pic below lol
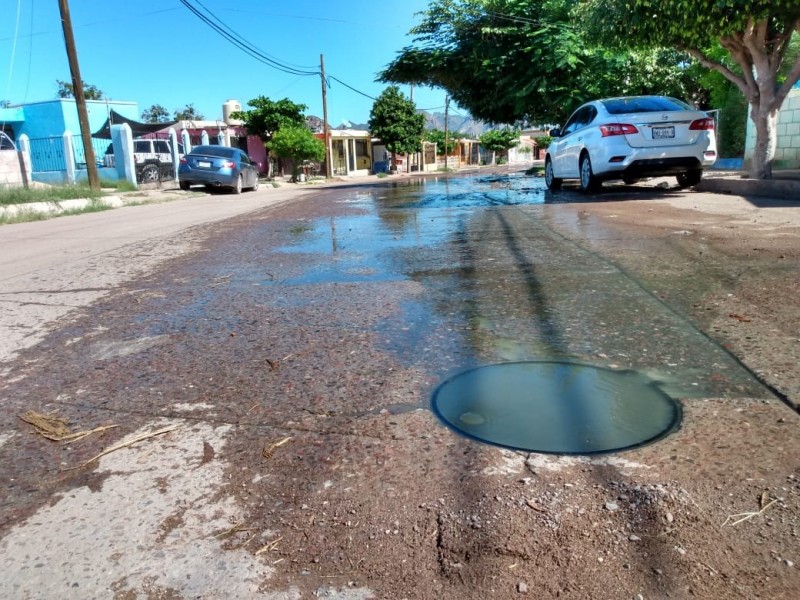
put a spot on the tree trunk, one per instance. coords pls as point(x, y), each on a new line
point(766, 125)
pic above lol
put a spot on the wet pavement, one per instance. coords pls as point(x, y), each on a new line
point(330, 321)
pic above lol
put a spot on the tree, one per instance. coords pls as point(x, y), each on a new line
point(268, 116)
point(297, 143)
point(755, 35)
point(437, 137)
point(511, 61)
point(499, 140)
point(188, 113)
point(90, 92)
point(395, 120)
point(155, 114)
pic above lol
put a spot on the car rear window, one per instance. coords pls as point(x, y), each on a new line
point(642, 104)
point(221, 151)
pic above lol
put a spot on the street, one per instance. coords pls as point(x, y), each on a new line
point(287, 343)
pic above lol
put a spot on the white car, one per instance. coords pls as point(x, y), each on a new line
point(631, 138)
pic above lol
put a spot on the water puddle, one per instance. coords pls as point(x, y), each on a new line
point(557, 407)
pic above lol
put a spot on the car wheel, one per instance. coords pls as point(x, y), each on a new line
point(552, 182)
point(689, 178)
point(237, 189)
point(589, 183)
point(185, 185)
point(255, 185)
point(150, 174)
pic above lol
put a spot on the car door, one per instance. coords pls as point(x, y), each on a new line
point(574, 142)
point(247, 170)
point(562, 144)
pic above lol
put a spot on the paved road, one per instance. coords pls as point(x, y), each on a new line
point(48, 268)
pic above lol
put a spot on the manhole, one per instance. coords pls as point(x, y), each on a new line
point(557, 407)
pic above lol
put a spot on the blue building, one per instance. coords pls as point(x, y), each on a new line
point(46, 122)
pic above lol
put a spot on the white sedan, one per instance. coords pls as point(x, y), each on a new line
point(631, 138)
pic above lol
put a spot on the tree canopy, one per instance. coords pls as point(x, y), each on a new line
point(266, 116)
point(296, 142)
point(188, 113)
point(155, 114)
point(507, 61)
point(90, 92)
point(395, 120)
point(755, 37)
point(437, 137)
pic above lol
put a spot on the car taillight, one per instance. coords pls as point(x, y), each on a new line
point(617, 129)
point(184, 161)
point(229, 164)
point(702, 124)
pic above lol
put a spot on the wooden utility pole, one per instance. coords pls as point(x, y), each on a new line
point(446, 110)
point(328, 165)
point(80, 98)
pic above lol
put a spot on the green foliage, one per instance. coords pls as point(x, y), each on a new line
point(395, 121)
point(155, 114)
point(499, 140)
point(543, 141)
point(732, 124)
point(188, 113)
point(508, 61)
point(436, 136)
point(50, 194)
point(90, 92)
point(268, 116)
point(297, 143)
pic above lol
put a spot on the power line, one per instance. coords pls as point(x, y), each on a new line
point(350, 87)
point(235, 39)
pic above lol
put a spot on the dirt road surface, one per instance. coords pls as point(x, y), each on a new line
point(287, 445)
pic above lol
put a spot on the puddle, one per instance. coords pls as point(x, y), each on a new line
point(557, 407)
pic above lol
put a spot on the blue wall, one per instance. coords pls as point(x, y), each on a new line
point(53, 117)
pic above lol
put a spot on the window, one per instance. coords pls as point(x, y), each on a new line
point(162, 147)
point(642, 104)
point(141, 146)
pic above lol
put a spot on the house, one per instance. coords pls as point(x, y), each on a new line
point(350, 151)
point(44, 122)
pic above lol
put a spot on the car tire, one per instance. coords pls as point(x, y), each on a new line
point(150, 174)
point(588, 181)
point(185, 185)
point(628, 180)
point(689, 178)
point(552, 182)
point(255, 185)
point(237, 189)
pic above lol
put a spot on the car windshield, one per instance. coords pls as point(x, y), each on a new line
point(641, 104)
point(6, 143)
point(221, 151)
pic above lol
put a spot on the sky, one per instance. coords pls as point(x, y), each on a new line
point(159, 52)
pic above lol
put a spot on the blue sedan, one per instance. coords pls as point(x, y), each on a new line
point(218, 166)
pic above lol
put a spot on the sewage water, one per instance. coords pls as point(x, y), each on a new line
point(557, 407)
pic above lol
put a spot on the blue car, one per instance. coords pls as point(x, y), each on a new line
point(216, 167)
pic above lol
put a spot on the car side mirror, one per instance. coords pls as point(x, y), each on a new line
point(555, 132)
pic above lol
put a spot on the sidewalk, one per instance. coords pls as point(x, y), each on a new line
point(784, 185)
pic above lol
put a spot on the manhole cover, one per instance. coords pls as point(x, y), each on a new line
point(557, 407)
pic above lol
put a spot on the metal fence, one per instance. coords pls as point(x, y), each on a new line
point(47, 154)
point(99, 146)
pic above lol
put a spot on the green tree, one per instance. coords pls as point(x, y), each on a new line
point(90, 92)
point(188, 113)
point(436, 136)
point(297, 143)
point(395, 120)
point(507, 61)
point(267, 117)
point(755, 35)
point(499, 140)
point(155, 114)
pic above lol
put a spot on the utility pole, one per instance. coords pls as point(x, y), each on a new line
point(446, 110)
point(328, 165)
point(80, 98)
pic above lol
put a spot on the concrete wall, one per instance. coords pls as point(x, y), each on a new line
point(54, 117)
point(10, 175)
point(787, 151)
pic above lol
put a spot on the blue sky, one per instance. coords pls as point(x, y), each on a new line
point(158, 52)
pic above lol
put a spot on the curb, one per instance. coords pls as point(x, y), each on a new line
point(781, 189)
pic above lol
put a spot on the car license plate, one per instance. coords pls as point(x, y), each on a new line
point(663, 133)
point(204, 164)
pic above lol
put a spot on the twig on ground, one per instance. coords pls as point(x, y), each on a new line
point(741, 517)
point(55, 428)
point(268, 451)
point(121, 445)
